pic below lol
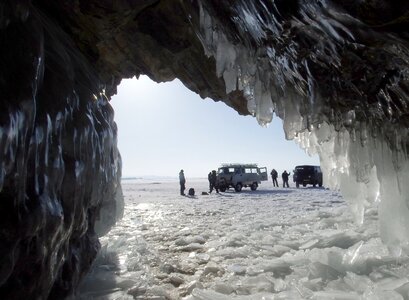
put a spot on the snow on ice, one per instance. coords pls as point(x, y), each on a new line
point(273, 243)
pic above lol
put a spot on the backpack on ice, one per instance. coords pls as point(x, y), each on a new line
point(191, 192)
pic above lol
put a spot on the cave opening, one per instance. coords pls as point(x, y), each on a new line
point(165, 127)
point(161, 129)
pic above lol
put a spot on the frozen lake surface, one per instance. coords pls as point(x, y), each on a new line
point(273, 243)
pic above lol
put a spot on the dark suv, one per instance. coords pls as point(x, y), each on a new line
point(307, 175)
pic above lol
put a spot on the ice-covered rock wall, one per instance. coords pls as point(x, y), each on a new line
point(59, 165)
point(336, 72)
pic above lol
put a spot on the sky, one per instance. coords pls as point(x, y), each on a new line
point(165, 127)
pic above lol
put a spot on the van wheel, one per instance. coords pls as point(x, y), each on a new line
point(238, 187)
point(297, 185)
point(320, 184)
point(222, 189)
point(304, 184)
point(254, 186)
point(314, 185)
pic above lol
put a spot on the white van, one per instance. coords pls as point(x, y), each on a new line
point(238, 176)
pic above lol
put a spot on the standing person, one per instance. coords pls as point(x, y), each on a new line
point(209, 177)
point(274, 176)
point(182, 182)
point(213, 182)
point(285, 178)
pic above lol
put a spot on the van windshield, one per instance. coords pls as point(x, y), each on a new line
point(304, 169)
point(226, 170)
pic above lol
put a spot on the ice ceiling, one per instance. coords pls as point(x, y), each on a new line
point(336, 72)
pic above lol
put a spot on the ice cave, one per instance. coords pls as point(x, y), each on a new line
point(336, 72)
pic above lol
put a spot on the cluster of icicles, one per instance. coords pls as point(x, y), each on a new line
point(362, 167)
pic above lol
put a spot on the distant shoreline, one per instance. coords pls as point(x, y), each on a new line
point(159, 178)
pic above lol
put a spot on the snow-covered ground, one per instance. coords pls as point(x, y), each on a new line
point(273, 243)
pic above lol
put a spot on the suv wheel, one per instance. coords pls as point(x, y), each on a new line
point(320, 184)
point(238, 187)
point(222, 189)
point(254, 186)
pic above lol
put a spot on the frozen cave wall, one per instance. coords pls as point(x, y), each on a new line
point(59, 165)
point(336, 72)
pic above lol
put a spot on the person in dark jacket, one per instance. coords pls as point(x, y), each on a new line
point(213, 182)
point(182, 182)
point(274, 176)
point(285, 178)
